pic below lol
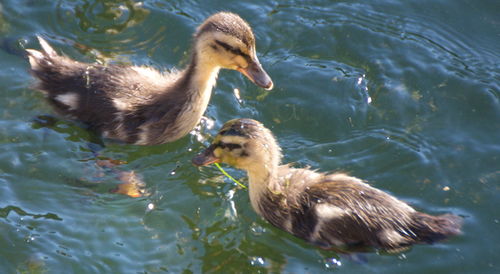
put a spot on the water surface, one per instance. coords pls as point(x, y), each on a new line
point(403, 94)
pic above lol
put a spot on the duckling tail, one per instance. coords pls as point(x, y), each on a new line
point(47, 49)
point(35, 57)
point(430, 229)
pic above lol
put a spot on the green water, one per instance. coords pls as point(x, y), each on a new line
point(403, 94)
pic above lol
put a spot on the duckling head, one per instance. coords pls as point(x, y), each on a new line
point(225, 40)
point(245, 144)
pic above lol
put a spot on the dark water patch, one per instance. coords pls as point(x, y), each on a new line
point(4, 213)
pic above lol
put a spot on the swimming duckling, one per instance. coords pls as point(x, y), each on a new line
point(141, 105)
point(329, 210)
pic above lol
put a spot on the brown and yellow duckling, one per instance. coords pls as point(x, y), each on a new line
point(141, 105)
point(329, 210)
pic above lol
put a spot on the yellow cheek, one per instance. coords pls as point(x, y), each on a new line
point(235, 162)
point(240, 61)
point(223, 155)
point(231, 161)
point(218, 153)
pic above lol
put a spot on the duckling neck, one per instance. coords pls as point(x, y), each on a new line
point(196, 85)
point(202, 75)
point(261, 180)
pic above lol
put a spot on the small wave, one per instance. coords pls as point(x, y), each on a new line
point(108, 27)
point(453, 49)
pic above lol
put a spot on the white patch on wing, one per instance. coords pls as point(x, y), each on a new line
point(121, 105)
point(328, 211)
point(288, 224)
point(391, 237)
point(143, 136)
point(316, 237)
point(68, 99)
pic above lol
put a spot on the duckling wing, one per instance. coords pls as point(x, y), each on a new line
point(114, 100)
point(362, 217)
point(133, 85)
point(340, 210)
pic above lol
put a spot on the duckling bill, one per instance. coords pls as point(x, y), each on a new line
point(140, 105)
point(329, 210)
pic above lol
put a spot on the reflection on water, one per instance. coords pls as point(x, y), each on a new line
point(4, 25)
point(111, 26)
point(400, 94)
point(4, 213)
point(108, 17)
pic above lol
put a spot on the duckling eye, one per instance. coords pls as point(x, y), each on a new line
point(233, 146)
point(227, 47)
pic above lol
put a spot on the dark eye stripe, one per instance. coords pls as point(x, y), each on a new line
point(224, 45)
point(228, 145)
point(232, 132)
point(231, 49)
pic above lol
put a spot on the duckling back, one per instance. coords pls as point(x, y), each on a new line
point(55, 73)
point(120, 102)
point(66, 83)
point(337, 210)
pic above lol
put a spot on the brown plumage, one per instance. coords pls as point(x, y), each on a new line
point(328, 210)
point(139, 104)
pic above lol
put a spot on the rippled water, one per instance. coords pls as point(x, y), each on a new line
point(404, 94)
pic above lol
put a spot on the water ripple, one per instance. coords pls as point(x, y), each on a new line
point(452, 48)
point(403, 94)
point(110, 27)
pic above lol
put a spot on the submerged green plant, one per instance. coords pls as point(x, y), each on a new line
point(229, 176)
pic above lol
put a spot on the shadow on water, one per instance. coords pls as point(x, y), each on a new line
point(4, 213)
point(99, 168)
point(79, 133)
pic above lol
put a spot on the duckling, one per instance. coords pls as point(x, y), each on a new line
point(138, 104)
point(330, 210)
